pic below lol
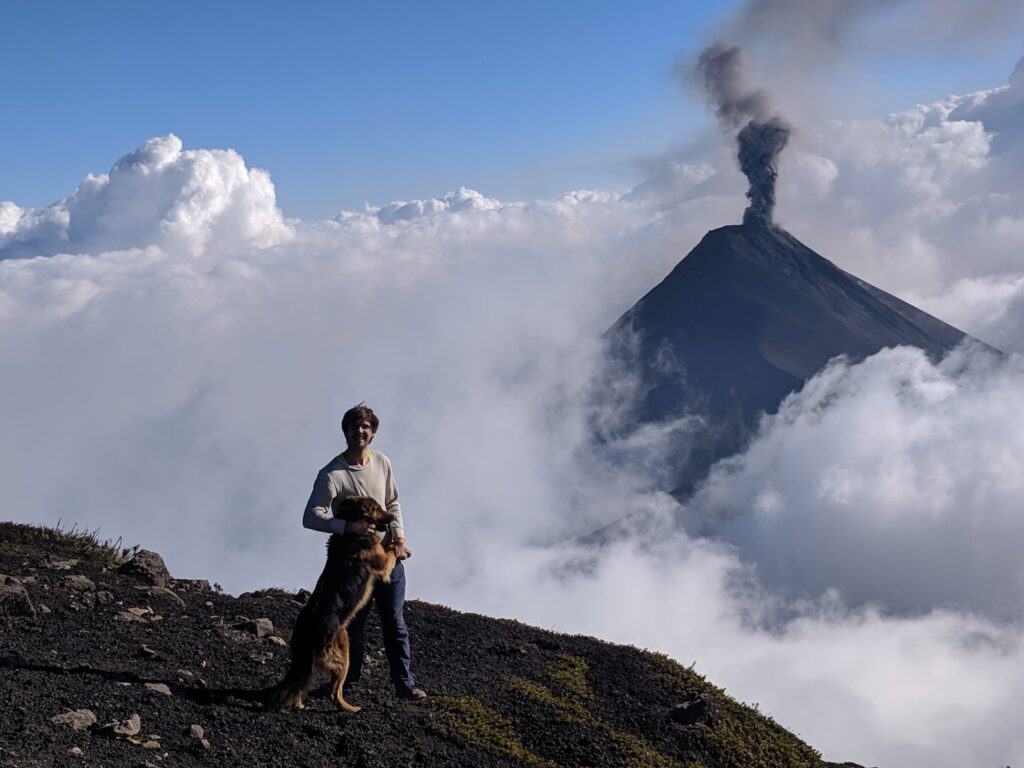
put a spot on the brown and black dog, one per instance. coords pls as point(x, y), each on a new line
point(320, 638)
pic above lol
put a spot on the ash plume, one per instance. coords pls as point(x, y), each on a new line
point(723, 74)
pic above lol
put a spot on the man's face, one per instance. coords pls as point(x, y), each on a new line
point(359, 435)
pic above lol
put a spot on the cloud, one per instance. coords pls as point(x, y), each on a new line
point(156, 195)
point(915, 507)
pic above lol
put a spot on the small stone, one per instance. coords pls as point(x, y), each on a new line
point(184, 674)
point(27, 579)
point(208, 604)
point(79, 719)
point(44, 610)
point(259, 627)
point(151, 743)
point(75, 752)
point(59, 565)
point(14, 600)
point(193, 585)
point(160, 688)
point(103, 597)
point(135, 614)
point(197, 734)
point(277, 640)
point(163, 593)
point(146, 652)
point(147, 567)
point(80, 583)
point(261, 656)
point(125, 728)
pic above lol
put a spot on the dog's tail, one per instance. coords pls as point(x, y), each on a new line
point(289, 692)
point(295, 683)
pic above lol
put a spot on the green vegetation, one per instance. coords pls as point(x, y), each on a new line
point(468, 722)
point(85, 544)
point(738, 736)
point(569, 673)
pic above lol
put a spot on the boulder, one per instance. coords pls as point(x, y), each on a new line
point(14, 600)
point(147, 567)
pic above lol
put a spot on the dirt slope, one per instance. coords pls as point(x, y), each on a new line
point(502, 693)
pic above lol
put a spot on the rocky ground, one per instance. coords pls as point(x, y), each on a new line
point(106, 660)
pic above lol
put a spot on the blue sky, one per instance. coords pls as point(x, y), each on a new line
point(345, 103)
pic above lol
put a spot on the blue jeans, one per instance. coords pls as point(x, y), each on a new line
point(389, 599)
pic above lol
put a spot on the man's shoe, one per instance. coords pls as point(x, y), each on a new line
point(411, 694)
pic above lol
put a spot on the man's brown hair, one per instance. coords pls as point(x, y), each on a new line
point(358, 414)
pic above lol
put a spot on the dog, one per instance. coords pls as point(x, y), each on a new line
point(320, 638)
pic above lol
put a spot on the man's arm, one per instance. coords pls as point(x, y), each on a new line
point(318, 516)
point(393, 506)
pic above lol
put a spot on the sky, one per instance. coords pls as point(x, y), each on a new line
point(193, 289)
point(351, 103)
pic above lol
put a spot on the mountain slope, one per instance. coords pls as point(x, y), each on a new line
point(183, 655)
point(746, 318)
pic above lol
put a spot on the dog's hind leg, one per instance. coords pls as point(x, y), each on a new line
point(339, 668)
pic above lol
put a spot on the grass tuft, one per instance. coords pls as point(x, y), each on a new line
point(85, 544)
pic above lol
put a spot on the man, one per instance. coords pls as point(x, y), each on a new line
point(362, 472)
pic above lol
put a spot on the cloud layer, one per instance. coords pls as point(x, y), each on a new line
point(177, 354)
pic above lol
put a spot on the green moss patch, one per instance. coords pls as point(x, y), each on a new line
point(637, 752)
point(739, 736)
point(467, 721)
point(569, 673)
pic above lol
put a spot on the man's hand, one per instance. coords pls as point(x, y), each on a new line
point(399, 547)
point(358, 527)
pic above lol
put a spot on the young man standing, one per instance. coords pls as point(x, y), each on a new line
point(362, 472)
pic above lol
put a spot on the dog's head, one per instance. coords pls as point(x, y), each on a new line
point(362, 508)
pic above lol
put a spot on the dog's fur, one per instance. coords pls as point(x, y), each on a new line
point(320, 638)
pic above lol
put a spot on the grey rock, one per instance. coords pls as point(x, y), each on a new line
point(697, 711)
point(163, 593)
point(80, 583)
point(14, 600)
point(193, 585)
point(75, 752)
point(59, 565)
point(146, 652)
point(160, 688)
point(258, 627)
point(125, 728)
point(197, 734)
point(79, 719)
point(103, 597)
point(147, 567)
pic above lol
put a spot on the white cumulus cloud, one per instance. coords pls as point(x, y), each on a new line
point(157, 195)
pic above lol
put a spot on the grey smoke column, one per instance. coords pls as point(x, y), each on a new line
point(722, 72)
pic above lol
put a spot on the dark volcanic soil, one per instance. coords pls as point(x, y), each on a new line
point(501, 693)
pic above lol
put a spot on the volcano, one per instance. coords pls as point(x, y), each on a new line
point(744, 319)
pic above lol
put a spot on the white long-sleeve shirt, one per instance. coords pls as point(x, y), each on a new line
point(339, 479)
